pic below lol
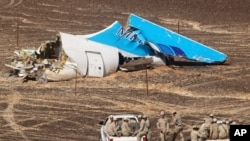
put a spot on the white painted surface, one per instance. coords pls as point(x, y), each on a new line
point(95, 64)
point(104, 61)
point(68, 72)
point(109, 54)
point(74, 48)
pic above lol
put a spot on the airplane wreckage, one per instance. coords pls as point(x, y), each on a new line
point(141, 43)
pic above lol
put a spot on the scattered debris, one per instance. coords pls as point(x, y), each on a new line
point(138, 46)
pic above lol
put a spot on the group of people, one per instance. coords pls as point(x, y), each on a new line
point(211, 128)
point(143, 128)
point(164, 128)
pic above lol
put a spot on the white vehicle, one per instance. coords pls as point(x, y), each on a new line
point(133, 123)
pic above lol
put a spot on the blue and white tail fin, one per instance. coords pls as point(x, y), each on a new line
point(174, 44)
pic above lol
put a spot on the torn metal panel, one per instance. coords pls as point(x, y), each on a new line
point(60, 74)
point(75, 58)
point(138, 62)
point(124, 39)
point(141, 44)
point(86, 57)
point(174, 44)
point(145, 38)
point(74, 48)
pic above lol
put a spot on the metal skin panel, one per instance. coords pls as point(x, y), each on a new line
point(75, 50)
point(127, 42)
point(68, 72)
point(95, 64)
point(109, 54)
point(133, 41)
point(175, 44)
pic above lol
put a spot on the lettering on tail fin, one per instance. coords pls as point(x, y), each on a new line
point(129, 34)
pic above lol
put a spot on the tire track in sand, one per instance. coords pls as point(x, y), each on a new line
point(11, 3)
point(8, 114)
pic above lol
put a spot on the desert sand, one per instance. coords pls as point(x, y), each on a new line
point(57, 111)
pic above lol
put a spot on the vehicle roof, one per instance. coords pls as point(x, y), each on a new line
point(125, 116)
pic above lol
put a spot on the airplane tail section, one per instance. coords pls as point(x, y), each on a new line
point(174, 44)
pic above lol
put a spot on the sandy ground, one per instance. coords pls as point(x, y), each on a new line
point(58, 111)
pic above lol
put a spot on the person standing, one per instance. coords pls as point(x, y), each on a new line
point(148, 126)
point(178, 127)
point(204, 130)
point(227, 125)
point(222, 130)
point(163, 126)
point(214, 130)
point(194, 133)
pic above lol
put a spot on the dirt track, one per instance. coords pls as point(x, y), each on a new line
point(52, 111)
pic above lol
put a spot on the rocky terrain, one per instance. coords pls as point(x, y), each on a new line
point(71, 110)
